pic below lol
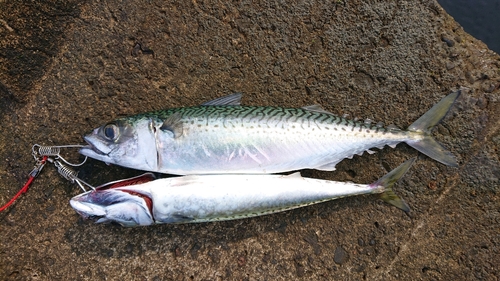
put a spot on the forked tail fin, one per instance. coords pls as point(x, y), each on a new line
point(388, 181)
point(427, 145)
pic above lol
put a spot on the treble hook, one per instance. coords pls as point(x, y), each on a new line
point(55, 151)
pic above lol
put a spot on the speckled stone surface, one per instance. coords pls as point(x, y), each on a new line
point(69, 66)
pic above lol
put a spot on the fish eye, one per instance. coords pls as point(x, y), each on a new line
point(110, 131)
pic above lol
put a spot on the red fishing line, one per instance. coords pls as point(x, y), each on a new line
point(33, 175)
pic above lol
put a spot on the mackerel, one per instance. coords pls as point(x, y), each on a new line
point(205, 198)
point(223, 137)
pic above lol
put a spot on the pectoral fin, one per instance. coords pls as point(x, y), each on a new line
point(173, 125)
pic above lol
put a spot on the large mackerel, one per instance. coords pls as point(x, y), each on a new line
point(221, 137)
point(204, 198)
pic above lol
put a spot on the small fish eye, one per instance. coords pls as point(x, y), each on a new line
point(110, 131)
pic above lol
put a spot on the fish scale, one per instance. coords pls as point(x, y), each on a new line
point(218, 138)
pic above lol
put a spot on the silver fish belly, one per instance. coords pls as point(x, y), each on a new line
point(220, 139)
point(204, 198)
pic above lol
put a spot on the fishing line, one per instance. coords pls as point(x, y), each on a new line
point(32, 175)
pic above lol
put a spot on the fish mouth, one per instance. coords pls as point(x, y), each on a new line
point(87, 210)
point(91, 148)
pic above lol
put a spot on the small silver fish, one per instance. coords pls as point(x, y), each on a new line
point(223, 137)
point(204, 198)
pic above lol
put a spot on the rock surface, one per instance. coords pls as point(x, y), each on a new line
point(69, 66)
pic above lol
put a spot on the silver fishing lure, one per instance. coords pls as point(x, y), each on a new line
point(223, 137)
point(203, 198)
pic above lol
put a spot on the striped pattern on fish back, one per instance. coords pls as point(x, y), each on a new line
point(263, 115)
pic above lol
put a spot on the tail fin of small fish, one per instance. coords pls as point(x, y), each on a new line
point(424, 125)
point(388, 181)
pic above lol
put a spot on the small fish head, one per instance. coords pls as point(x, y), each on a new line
point(124, 142)
point(104, 206)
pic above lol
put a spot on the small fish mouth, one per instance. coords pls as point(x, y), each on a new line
point(94, 149)
point(90, 146)
point(86, 210)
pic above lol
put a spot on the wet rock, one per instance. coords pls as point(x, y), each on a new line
point(242, 259)
point(194, 250)
point(340, 256)
point(448, 41)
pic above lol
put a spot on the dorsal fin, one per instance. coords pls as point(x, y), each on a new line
point(233, 99)
point(316, 108)
point(173, 125)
